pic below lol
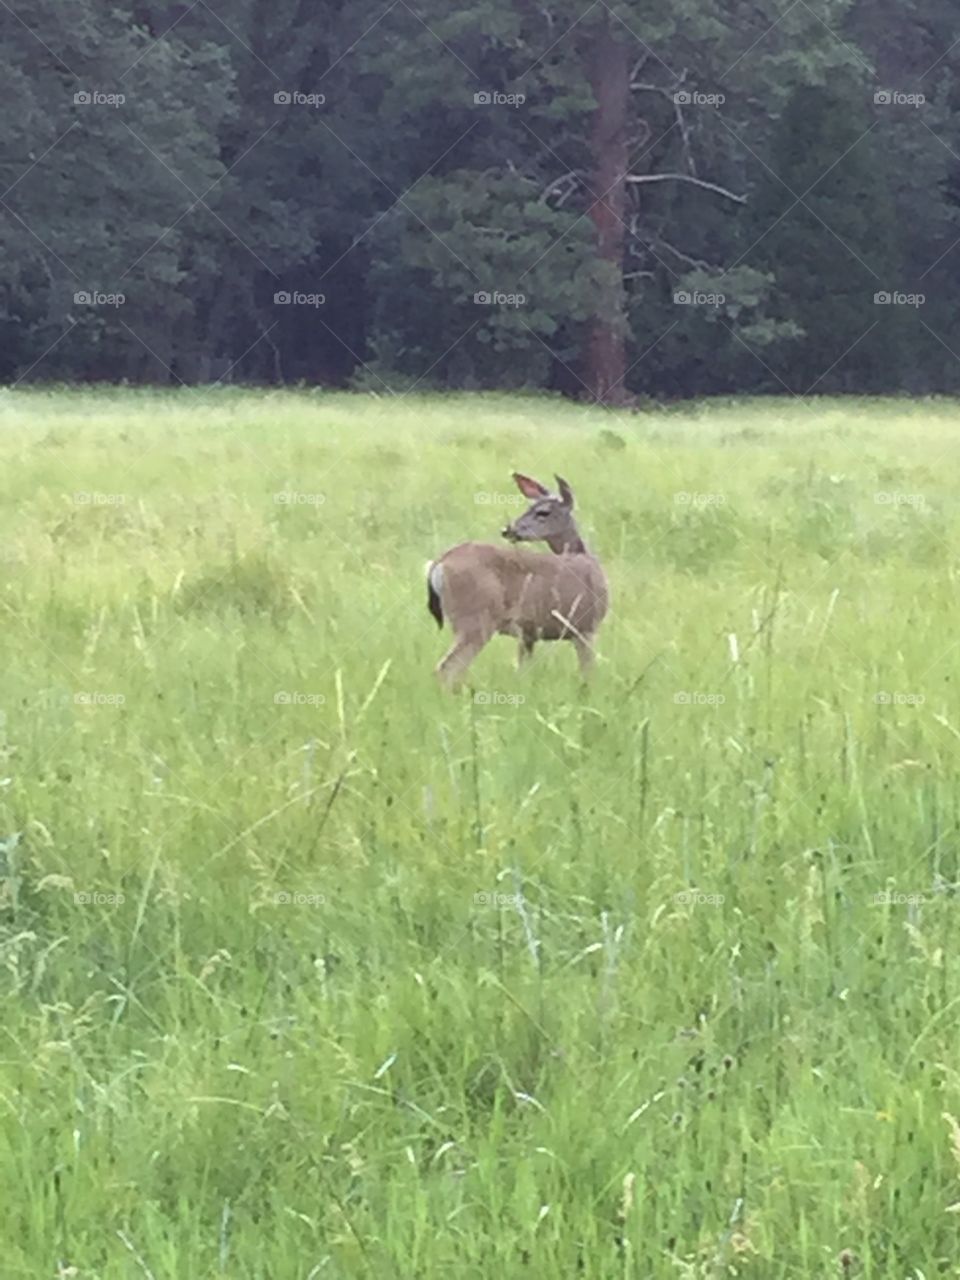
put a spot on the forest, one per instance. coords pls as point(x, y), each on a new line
point(613, 201)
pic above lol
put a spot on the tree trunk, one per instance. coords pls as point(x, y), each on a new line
point(608, 68)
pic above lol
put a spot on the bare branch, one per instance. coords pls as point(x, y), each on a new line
point(642, 87)
point(684, 128)
point(645, 136)
point(639, 65)
point(685, 177)
point(678, 80)
point(553, 187)
point(685, 257)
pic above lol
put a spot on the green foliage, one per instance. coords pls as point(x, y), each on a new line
point(410, 187)
point(843, 231)
point(488, 260)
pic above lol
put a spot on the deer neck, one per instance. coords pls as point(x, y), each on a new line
point(568, 543)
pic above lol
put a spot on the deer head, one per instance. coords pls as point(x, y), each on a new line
point(549, 518)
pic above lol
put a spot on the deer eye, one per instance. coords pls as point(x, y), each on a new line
point(541, 515)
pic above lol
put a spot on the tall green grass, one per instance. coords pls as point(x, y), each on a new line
point(309, 969)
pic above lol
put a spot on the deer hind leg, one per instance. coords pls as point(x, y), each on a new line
point(462, 652)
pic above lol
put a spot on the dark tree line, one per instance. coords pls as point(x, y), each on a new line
point(702, 197)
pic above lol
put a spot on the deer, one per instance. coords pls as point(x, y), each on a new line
point(484, 590)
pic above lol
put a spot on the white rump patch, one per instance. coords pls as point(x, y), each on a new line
point(435, 577)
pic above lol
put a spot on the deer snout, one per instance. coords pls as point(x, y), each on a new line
point(509, 533)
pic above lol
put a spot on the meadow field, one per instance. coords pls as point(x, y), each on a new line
point(311, 969)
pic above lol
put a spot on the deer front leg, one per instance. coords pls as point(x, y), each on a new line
point(525, 649)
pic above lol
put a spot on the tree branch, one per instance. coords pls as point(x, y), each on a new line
point(641, 86)
point(652, 88)
point(660, 243)
point(553, 188)
point(685, 177)
point(638, 67)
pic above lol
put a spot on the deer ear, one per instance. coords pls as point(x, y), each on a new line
point(566, 493)
point(530, 488)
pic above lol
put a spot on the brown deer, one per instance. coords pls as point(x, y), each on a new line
point(484, 590)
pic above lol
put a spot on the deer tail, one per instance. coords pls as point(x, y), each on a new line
point(434, 583)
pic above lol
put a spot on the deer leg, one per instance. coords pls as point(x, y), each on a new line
point(585, 655)
point(455, 662)
point(524, 650)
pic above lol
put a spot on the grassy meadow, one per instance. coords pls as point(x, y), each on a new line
point(308, 969)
